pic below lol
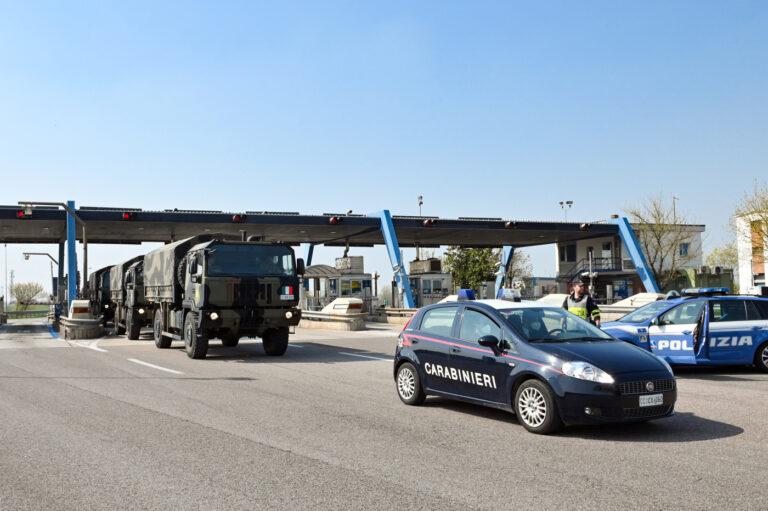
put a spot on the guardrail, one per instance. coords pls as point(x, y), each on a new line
point(392, 315)
point(26, 314)
point(324, 320)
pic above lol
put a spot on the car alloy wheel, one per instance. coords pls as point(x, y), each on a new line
point(533, 407)
point(406, 383)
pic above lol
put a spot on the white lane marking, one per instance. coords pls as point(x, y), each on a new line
point(90, 347)
point(153, 366)
point(364, 356)
point(295, 345)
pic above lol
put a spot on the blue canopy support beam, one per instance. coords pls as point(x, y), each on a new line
point(393, 249)
point(507, 254)
point(309, 250)
point(71, 257)
point(636, 253)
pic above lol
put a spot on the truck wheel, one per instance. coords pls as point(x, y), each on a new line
point(133, 326)
point(275, 341)
point(161, 341)
point(196, 343)
point(230, 341)
point(536, 409)
point(761, 357)
point(119, 330)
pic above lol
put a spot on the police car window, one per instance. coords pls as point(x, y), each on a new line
point(439, 321)
point(645, 313)
point(685, 314)
point(551, 324)
point(475, 325)
point(760, 308)
point(728, 310)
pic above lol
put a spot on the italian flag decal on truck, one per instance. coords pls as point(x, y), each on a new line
point(286, 293)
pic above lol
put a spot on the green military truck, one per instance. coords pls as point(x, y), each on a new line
point(138, 312)
point(98, 294)
point(209, 286)
point(119, 296)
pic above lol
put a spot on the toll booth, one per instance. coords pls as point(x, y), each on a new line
point(428, 283)
point(348, 279)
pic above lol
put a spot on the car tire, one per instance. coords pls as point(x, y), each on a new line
point(536, 409)
point(275, 341)
point(408, 384)
point(761, 357)
point(161, 341)
point(133, 328)
point(230, 341)
point(196, 343)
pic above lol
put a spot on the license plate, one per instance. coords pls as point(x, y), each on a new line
point(652, 400)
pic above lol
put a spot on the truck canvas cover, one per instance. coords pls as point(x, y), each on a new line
point(161, 265)
point(116, 275)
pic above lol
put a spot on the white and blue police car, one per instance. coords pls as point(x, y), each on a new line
point(547, 365)
point(704, 326)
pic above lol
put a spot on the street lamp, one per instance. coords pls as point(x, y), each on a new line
point(565, 206)
point(418, 255)
point(28, 209)
point(26, 258)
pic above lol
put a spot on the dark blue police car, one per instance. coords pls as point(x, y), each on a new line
point(547, 365)
point(705, 326)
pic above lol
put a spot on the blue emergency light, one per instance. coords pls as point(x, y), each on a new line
point(466, 294)
point(705, 291)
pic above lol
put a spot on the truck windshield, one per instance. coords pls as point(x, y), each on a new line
point(249, 260)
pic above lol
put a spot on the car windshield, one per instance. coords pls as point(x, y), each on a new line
point(645, 313)
point(249, 260)
point(550, 324)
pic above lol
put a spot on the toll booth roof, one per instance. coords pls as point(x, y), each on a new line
point(126, 226)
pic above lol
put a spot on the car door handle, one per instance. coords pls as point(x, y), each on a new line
point(414, 341)
point(454, 349)
point(758, 328)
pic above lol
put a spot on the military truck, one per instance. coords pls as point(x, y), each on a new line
point(137, 309)
point(212, 286)
point(118, 295)
point(98, 294)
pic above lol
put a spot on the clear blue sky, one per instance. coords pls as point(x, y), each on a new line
point(498, 109)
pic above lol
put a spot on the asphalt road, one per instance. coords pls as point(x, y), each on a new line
point(90, 425)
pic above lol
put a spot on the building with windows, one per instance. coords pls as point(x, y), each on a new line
point(605, 263)
point(751, 246)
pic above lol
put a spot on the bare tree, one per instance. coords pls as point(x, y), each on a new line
point(665, 237)
point(520, 266)
point(753, 209)
point(725, 256)
point(25, 292)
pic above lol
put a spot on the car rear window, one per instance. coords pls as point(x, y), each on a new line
point(757, 310)
point(439, 321)
point(728, 310)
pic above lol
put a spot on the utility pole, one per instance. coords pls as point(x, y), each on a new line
point(418, 252)
point(565, 206)
point(674, 213)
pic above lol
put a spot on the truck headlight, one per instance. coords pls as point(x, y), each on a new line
point(106, 306)
point(585, 371)
point(288, 315)
point(141, 311)
point(214, 316)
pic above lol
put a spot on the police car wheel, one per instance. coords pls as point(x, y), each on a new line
point(761, 357)
point(409, 386)
point(535, 408)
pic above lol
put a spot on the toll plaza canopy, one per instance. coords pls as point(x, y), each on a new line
point(47, 224)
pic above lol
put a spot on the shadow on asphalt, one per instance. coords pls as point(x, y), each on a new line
point(250, 352)
point(681, 427)
point(720, 373)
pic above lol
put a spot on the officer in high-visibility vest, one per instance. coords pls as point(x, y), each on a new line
point(580, 303)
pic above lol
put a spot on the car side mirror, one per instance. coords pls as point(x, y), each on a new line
point(195, 279)
point(300, 268)
point(490, 341)
point(655, 322)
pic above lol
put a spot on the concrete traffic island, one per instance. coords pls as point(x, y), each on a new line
point(80, 324)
